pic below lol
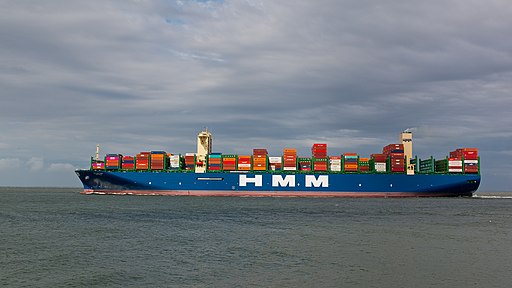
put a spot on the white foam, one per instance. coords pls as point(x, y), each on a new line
point(491, 197)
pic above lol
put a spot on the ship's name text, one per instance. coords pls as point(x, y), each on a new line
point(285, 180)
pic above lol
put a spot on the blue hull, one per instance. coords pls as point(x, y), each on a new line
point(278, 185)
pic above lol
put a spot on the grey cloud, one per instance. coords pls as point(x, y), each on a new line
point(137, 75)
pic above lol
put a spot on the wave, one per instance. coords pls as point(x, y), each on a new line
point(491, 197)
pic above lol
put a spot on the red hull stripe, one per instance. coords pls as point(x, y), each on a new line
point(265, 193)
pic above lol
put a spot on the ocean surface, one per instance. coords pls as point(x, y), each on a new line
point(55, 237)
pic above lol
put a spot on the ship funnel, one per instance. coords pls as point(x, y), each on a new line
point(204, 147)
point(406, 140)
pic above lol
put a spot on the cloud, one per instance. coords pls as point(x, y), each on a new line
point(145, 75)
point(9, 163)
point(54, 167)
point(35, 163)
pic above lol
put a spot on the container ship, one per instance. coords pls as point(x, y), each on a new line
point(390, 173)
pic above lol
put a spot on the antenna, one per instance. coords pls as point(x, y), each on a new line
point(97, 152)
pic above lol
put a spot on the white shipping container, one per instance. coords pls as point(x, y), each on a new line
point(335, 161)
point(244, 165)
point(274, 159)
point(455, 163)
point(455, 170)
point(380, 167)
point(336, 168)
point(174, 161)
point(289, 168)
point(190, 154)
point(471, 162)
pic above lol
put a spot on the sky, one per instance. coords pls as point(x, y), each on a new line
point(149, 75)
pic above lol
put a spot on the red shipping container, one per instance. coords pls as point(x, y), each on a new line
point(379, 157)
point(467, 153)
point(392, 147)
point(396, 155)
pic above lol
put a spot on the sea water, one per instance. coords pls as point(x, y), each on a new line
point(53, 237)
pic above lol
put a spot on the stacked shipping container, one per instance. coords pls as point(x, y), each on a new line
point(320, 160)
point(174, 161)
point(467, 153)
point(364, 164)
point(215, 162)
point(378, 162)
point(275, 163)
point(304, 164)
point(128, 163)
point(396, 155)
point(97, 165)
point(471, 166)
point(335, 163)
point(350, 161)
point(290, 159)
point(142, 161)
point(228, 162)
point(319, 150)
point(113, 161)
point(259, 161)
point(244, 163)
point(190, 161)
point(320, 164)
point(455, 165)
point(462, 160)
point(470, 157)
point(158, 160)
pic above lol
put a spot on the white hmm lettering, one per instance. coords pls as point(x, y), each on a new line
point(257, 180)
point(312, 181)
point(288, 180)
